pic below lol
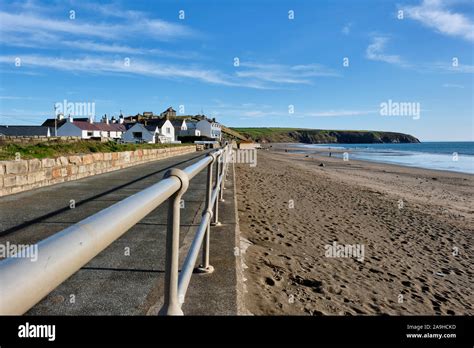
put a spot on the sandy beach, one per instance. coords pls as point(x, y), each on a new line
point(406, 236)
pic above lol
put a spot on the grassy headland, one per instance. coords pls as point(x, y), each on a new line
point(322, 136)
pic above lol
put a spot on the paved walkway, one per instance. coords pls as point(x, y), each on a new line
point(127, 277)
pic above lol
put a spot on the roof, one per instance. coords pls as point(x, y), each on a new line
point(160, 123)
point(23, 130)
point(150, 127)
point(50, 122)
point(118, 127)
point(157, 122)
point(104, 127)
point(177, 122)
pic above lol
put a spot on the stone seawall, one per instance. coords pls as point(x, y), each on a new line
point(23, 175)
point(35, 139)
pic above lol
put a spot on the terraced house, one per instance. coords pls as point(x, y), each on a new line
point(92, 130)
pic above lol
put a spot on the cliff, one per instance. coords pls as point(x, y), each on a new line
point(319, 136)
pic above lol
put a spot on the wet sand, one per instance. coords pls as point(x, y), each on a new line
point(415, 227)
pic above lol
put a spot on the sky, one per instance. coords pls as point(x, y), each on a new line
point(305, 64)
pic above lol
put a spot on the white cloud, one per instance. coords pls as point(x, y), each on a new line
point(252, 110)
point(335, 113)
point(102, 65)
point(31, 24)
point(27, 23)
point(346, 29)
point(11, 97)
point(47, 41)
point(434, 14)
point(375, 51)
point(112, 10)
point(31, 27)
point(447, 67)
point(284, 74)
point(259, 76)
point(254, 113)
point(452, 85)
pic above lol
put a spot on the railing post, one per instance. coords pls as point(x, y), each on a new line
point(172, 304)
point(224, 173)
point(217, 187)
point(205, 267)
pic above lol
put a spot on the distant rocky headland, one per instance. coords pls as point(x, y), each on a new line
point(321, 136)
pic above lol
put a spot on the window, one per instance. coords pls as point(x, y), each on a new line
point(168, 130)
point(90, 134)
point(137, 135)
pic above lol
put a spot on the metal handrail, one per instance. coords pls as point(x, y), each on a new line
point(190, 261)
point(24, 283)
point(176, 283)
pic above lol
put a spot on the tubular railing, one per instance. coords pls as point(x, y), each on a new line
point(24, 283)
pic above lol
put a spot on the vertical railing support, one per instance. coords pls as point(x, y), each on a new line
point(205, 267)
point(217, 187)
point(224, 173)
point(172, 305)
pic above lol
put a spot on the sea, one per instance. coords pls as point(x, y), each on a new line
point(456, 156)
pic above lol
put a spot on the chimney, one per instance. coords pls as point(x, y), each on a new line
point(121, 119)
point(91, 119)
point(60, 116)
point(70, 118)
point(113, 119)
point(214, 119)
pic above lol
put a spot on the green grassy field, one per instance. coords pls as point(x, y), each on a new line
point(56, 149)
point(258, 132)
point(322, 136)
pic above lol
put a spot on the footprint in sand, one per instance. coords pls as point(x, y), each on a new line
point(269, 281)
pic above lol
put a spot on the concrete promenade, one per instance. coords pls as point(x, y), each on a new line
point(127, 278)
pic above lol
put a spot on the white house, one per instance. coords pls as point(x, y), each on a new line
point(191, 129)
point(160, 132)
point(179, 125)
point(91, 129)
point(139, 133)
point(166, 130)
point(209, 128)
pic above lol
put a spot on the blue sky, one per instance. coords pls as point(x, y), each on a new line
point(284, 63)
